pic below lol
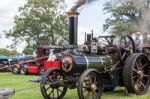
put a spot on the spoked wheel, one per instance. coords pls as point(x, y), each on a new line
point(90, 85)
point(52, 85)
point(126, 44)
point(136, 74)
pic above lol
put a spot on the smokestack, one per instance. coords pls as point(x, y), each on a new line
point(73, 27)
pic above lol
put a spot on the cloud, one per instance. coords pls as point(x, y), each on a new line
point(97, 31)
point(8, 9)
point(69, 3)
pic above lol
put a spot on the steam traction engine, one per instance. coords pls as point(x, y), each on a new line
point(105, 63)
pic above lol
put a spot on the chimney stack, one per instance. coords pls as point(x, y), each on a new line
point(73, 27)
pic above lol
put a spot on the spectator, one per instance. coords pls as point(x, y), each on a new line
point(137, 40)
point(145, 38)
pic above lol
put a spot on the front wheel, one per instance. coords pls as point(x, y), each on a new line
point(90, 85)
point(52, 85)
point(136, 74)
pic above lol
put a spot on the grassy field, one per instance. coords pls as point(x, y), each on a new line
point(19, 82)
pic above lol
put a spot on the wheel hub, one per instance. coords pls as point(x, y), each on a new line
point(140, 74)
point(93, 87)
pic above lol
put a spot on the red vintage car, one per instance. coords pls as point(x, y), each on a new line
point(41, 63)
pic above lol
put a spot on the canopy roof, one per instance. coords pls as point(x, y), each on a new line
point(3, 58)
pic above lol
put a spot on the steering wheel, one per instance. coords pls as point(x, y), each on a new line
point(126, 45)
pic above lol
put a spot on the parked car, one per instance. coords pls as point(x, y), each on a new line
point(40, 63)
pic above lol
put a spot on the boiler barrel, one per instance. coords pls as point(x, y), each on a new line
point(78, 64)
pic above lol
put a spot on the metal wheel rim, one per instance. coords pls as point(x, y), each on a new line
point(90, 86)
point(54, 91)
point(140, 75)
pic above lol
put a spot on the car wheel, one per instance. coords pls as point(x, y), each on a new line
point(41, 70)
point(23, 71)
point(15, 70)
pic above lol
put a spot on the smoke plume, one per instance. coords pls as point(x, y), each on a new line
point(143, 6)
point(80, 3)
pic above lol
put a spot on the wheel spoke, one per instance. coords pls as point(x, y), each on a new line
point(144, 66)
point(134, 77)
point(137, 65)
point(140, 63)
point(57, 92)
point(94, 80)
point(90, 79)
point(60, 90)
point(142, 84)
point(51, 92)
point(146, 76)
point(48, 88)
point(135, 70)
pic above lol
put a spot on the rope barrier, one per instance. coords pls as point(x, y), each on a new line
point(24, 89)
point(11, 66)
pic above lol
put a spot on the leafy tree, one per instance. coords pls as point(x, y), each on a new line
point(6, 52)
point(123, 19)
point(28, 50)
point(40, 22)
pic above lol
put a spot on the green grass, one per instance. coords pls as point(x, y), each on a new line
point(19, 82)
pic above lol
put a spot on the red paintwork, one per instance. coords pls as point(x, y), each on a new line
point(144, 46)
point(33, 69)
point(51, 64)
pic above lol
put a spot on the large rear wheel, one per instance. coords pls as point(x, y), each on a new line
point(52, 85)
point(136, 74)
point(90, 85)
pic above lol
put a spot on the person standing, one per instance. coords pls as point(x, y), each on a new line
point(137, 40)
point(145, 38)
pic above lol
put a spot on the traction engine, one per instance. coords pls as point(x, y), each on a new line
point(104, 63)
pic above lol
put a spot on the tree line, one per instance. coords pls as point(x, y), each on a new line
point(45, 22)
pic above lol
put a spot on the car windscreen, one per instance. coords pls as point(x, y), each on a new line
point(53, 51)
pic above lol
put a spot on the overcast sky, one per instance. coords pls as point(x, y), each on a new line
point(91, 17)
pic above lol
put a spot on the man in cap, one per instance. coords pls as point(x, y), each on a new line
point(137, 40)
point(145, 38)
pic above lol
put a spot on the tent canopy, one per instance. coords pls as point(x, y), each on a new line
point(3, 58)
